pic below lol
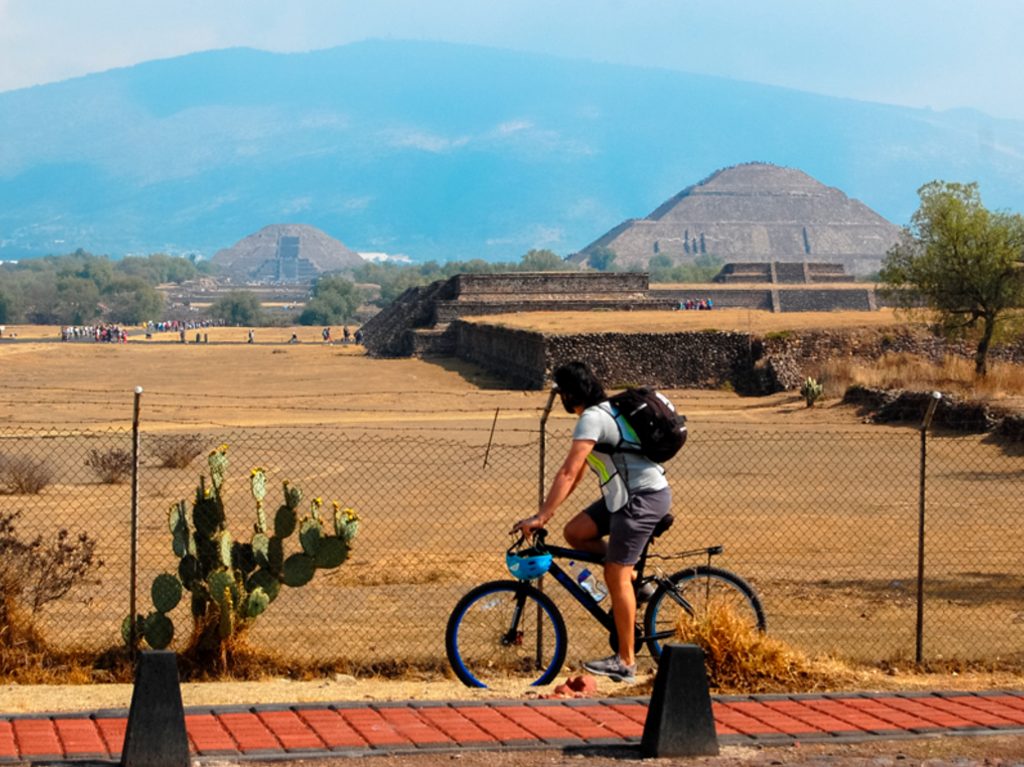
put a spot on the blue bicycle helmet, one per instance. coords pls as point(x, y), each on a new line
point(527, 564)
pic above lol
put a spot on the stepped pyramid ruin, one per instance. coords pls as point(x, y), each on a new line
point(285, 253)
point(755, 212)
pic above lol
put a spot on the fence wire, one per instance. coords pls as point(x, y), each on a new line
point(823, 523)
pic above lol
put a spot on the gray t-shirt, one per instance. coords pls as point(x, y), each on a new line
point(620, 474)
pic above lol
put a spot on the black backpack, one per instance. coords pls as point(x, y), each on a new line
point(659, 429)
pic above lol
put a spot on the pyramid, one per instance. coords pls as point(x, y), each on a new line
point(285, 253)
point(755, 212)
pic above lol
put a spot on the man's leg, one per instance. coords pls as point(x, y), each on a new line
point(582, 532)
point(619, 579)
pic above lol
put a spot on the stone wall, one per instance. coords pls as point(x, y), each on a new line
point(514, 285)
point(824, 300)
point(704, 359)
point(672, 360)
point(448, 311)
point(515, 356)
point(802, 299)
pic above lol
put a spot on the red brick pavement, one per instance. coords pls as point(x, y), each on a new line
point(355, 728)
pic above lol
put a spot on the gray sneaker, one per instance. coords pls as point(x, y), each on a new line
point(612, 667)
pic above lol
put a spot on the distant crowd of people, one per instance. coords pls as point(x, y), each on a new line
point(346, 335)
point(104, 333)
point(176, 325)
point(699, 304)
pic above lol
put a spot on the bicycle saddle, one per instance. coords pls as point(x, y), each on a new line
point(663, 524)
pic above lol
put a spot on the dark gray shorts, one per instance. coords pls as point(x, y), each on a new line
point(629, 528)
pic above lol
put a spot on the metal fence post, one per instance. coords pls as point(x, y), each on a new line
point(919, 643)
point(540, 502)
point(134, 563)
point(543, 444)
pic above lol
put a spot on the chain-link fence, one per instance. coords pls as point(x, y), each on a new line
point(825, 524)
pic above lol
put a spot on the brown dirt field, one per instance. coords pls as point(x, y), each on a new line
point(227, 382)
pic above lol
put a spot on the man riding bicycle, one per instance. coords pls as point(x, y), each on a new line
point(634, 497)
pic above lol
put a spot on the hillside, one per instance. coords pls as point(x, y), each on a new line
point(437, 151)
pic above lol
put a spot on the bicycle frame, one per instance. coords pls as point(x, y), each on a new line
point(604, 617)
point(601, 615)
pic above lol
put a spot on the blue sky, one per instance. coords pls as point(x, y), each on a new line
point(922, 53)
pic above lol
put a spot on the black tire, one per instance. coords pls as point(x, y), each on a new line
point(691, 592)
point(492, 635)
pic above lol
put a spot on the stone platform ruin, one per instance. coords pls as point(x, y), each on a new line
point(422, 321)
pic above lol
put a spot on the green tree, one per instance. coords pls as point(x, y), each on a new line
point(542, 261)
point(158, 268)
point(334, 300)
point(601, 258)
point(78, 300)
point(132, 300)
point(961, 261)
point(238, 307)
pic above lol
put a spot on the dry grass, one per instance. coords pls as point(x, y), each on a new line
point(955, 375)
point(740, 658)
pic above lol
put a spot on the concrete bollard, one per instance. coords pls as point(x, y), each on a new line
point(679, 719)
point(155, 735)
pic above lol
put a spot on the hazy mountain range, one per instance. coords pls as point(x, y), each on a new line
point(437, 151)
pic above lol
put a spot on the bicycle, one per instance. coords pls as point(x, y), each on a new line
point(511, 628)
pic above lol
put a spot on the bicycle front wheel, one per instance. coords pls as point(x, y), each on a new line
point(505, 631)
point(698, 594)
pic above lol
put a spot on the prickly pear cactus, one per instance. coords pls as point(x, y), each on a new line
point(811, 391)
point(232, 582)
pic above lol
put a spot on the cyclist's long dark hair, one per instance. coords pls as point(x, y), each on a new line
point(578, 386)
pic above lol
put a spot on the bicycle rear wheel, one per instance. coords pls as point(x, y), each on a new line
point(696, 594)
point(505, 630)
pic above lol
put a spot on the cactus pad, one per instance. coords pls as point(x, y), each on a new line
point(275, 553)
point(223, 541)
point(265, 582)
point(227, 616)
point(189, 571)
point(332, 552)
point(158, 630)
point(256, 603)
point(310, 532)
point(126, 629)
point(261, 549)
point(223, 588)
point(166, 592)
point(292, 496)
point(346, 524)
point(243, 557)
point(207, 517)
point(258, 484)
point(284, 521)
point(176, 517)
point(299, 570)
point(218, 461)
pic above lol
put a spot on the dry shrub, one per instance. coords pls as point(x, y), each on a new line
point(111, 467)
point(913, 372)
point(32, 574)
point(177, 451)
point(23, 474)
point(739, 658)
